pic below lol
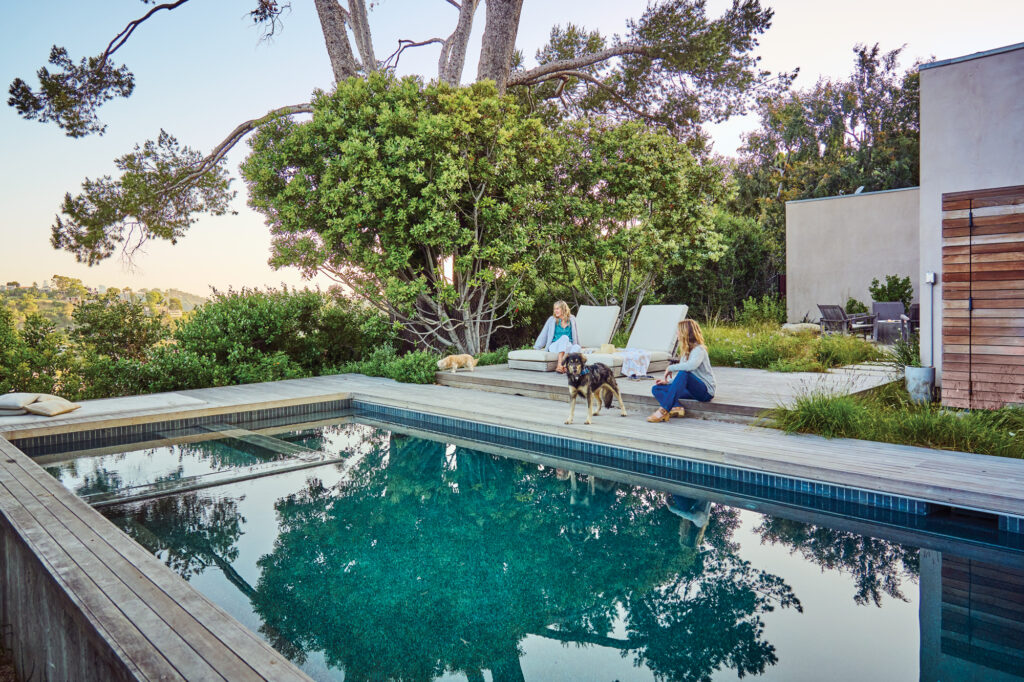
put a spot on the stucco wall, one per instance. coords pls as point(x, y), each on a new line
point(972, 137)
point(835, 246)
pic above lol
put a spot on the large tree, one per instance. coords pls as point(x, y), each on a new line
point(630, 202)
point(833, 138)
point(675, 65)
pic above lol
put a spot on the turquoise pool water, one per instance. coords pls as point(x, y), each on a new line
point(411, 558)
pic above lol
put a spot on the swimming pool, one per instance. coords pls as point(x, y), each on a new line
point(411, 555)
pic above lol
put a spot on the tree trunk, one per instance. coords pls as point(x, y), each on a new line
point(453, 54)
point(499, 41)
point(332, 23)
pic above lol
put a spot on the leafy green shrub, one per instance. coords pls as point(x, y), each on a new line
point(495, 357)
point(313, 329)
point(894, 289)
point(416, 367)
point(768, 309)
point(116, 328)
point(853, 306)
point(37, 358)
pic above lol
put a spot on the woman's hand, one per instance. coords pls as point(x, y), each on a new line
point(666, 379)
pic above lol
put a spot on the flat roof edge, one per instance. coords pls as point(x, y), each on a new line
point(851, 196)
point(969, 57)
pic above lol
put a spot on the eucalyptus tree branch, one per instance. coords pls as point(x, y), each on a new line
point(121, 38)
point(546, 70)
point(565, 75)
point(236, 135)
point(404, 43)
point(453, 51)
point(360, 24)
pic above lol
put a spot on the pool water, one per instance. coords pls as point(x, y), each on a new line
point(410, 558)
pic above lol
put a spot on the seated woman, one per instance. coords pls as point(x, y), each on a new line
point(559, 334)
point(693, 380)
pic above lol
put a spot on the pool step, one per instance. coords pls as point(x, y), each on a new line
point(280, 457)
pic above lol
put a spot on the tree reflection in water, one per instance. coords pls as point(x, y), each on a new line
point(432, 559)
point(878, 567)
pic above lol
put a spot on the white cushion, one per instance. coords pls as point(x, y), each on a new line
point(655, 327)
point(533, 355)
point(51, 406)
point(616, 359)
point(16, 401)
point(13, 413)
point(595, 323)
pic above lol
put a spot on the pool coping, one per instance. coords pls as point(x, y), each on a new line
point(73, 548)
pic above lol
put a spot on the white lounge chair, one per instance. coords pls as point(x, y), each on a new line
point(594, 324)
point(654, 331)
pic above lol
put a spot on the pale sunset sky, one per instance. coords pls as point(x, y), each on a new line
point(202, 69)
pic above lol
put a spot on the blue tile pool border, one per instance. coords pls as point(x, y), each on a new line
point(36, 446)
point(865, 504)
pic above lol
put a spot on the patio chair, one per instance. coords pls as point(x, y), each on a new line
point(834, 318)
point(594, 324)
point(654, 331)
point(911, 321)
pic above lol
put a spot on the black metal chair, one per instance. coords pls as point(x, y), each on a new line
point(834, 318)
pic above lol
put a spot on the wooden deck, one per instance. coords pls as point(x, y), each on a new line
point(158, 626)
point(743, 394)
point(87, 602)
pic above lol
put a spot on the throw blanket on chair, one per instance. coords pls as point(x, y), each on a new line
point(635, 362)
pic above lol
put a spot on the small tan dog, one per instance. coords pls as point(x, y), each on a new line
point(454, 362)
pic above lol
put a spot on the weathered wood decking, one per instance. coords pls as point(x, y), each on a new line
point(743, 394)
point(87, 602)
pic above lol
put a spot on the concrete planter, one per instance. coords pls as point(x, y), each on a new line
point(920, 383)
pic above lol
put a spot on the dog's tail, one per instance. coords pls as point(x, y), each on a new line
point(607, 397)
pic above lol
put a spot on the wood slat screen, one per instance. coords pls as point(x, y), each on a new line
point(983, 298)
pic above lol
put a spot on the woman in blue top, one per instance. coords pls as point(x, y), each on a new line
point(693, 380)
point(559, 334)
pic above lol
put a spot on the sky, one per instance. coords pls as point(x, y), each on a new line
point(202, 69)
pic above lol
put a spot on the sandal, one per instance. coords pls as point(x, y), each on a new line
point(659, 416)
point(677, 412)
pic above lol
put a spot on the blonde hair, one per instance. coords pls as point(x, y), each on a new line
point(564, 306)
point(689, 335)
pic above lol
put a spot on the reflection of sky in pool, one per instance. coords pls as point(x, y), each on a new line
point(417, 560)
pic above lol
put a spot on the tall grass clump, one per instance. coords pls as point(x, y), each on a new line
point(887, 415)
point(764, 346)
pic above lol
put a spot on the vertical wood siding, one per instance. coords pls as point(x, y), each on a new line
point(983, 298)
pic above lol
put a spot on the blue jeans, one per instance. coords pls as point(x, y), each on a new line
point(685, 385)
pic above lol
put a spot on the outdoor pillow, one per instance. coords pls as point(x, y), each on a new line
point(52, 406)
point(16, 401)
point(13, 413)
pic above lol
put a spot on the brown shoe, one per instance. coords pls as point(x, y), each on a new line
point(677, 412)
point(659, 416)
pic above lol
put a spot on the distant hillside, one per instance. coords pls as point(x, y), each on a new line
point(188, 301)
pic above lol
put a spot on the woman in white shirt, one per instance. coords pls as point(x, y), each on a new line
point(693, 380)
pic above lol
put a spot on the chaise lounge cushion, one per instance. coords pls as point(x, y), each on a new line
point(616, 359)
point(594, 324)
point(654, 331)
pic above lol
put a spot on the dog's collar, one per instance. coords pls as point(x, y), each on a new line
point(586, 370)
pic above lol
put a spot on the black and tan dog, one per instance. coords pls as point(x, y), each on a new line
point(594, 382)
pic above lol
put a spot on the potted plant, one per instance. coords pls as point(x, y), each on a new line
point(920, 380)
